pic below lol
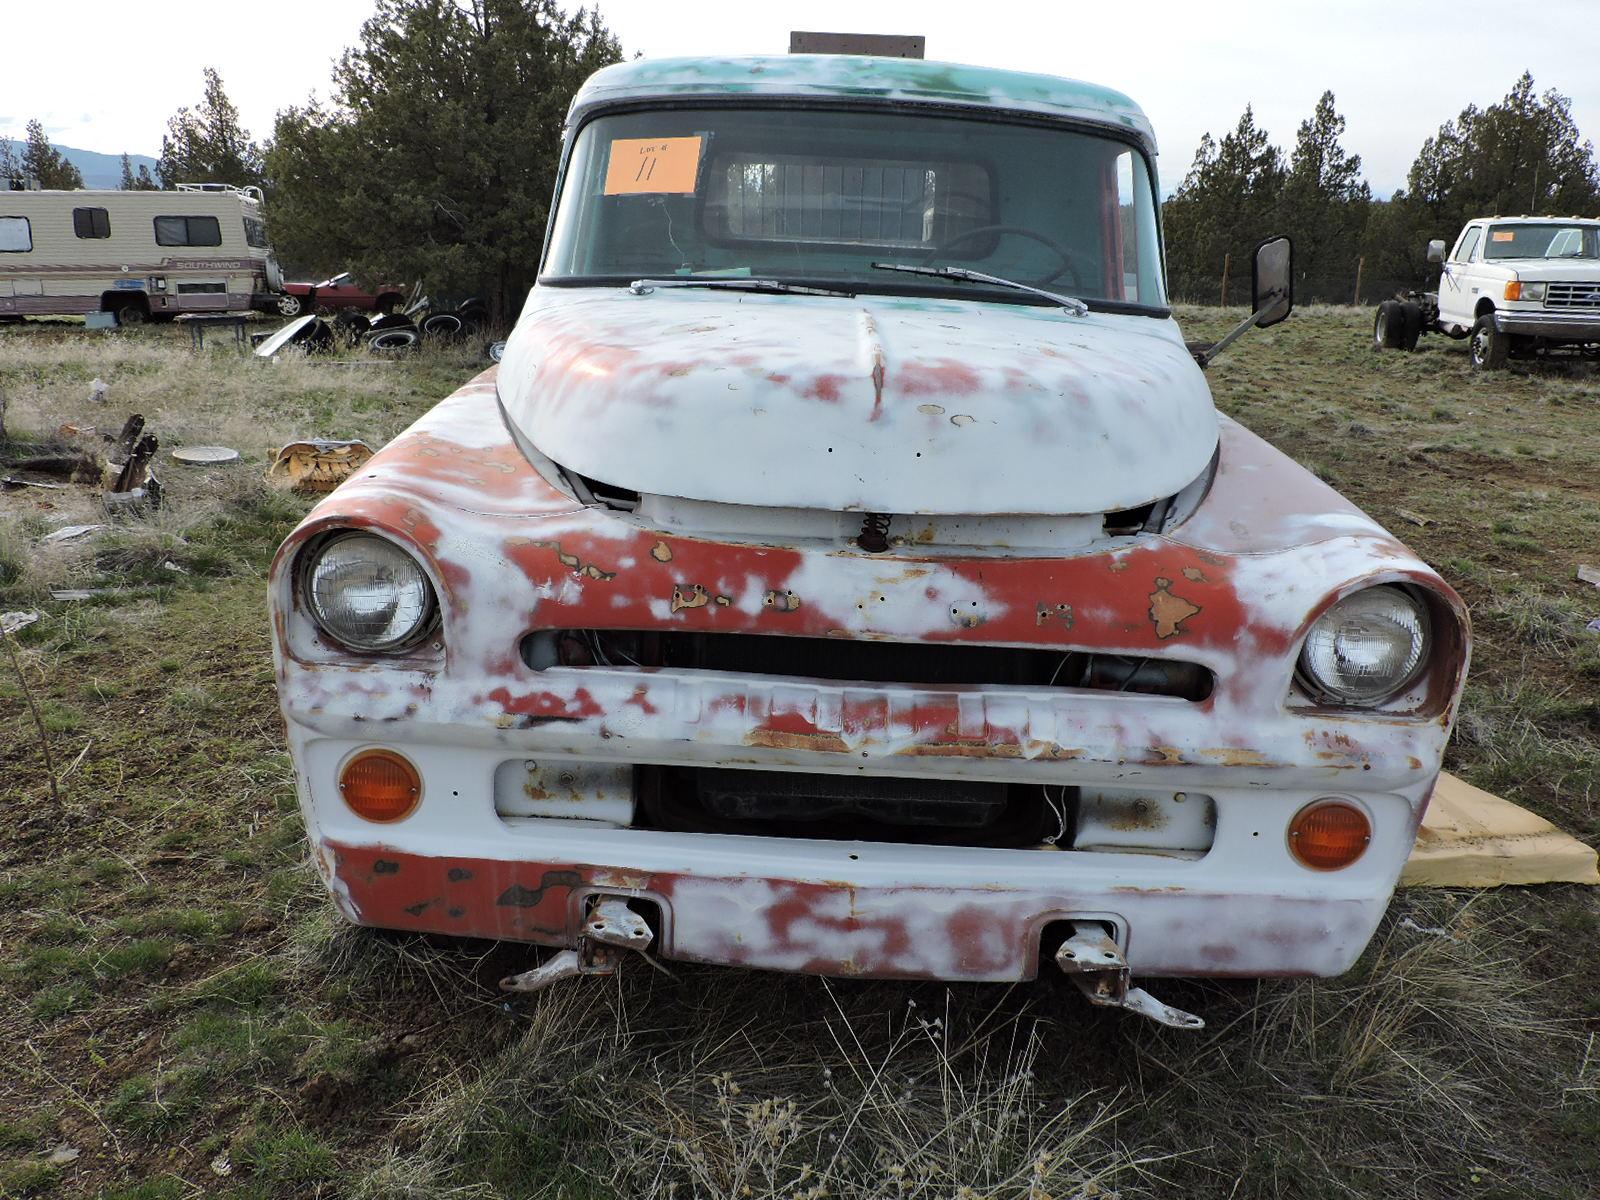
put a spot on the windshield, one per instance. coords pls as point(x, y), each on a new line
point(816, 196)
point(1550, 240)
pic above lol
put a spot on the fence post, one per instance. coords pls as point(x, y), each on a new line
point(1360, 262)
point(1225, 259)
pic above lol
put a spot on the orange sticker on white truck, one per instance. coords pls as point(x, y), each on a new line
point(1503, 235)
point(645, 165)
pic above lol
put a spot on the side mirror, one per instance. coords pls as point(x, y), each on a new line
point(1272, 281)
point(1436, 250)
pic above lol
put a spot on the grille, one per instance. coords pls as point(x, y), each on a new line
point(928, 664)
point(850, 807)
point(1572, 295)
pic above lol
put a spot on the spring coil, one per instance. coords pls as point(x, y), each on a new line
point(874, 535)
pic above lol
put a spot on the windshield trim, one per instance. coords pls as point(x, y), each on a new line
point(961, 112)
point(930, 291)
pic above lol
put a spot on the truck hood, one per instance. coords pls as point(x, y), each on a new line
point(873, 404)
point(1539, 270)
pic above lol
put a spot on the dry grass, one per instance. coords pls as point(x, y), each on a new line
point(183, 1007)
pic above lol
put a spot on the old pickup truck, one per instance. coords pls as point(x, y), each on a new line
point(847, 571)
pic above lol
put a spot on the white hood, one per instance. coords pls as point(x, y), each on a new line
point(872, 404)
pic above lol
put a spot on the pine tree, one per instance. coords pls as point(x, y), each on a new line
point(145, 182)
point(438, 157)
point(45, 163)
point(10, 166)
point(1325, 202)
point(1227, 203)
point(206, 144)
point(126, 184)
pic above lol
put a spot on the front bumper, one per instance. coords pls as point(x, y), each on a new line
point(857, 908)
point(1558, 327)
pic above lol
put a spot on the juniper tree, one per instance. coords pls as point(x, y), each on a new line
point(207, 144)
point(436, 158)
point(45, 163)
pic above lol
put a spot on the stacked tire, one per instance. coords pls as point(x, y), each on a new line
point(1397, 325)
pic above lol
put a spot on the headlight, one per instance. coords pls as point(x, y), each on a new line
point(1366, 647)
point(1533, 291)
point(367, 593)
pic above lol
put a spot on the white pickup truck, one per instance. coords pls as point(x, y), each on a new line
point(1516, 286)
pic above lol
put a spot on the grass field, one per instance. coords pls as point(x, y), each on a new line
point(180, 1007)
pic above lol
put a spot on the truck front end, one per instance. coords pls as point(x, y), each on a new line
point(783, 601)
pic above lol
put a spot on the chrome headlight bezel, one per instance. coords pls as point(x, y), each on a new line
point(1323, 691)
point(315, 600)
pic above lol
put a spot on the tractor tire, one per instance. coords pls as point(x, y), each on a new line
point(1489, 348)
point(1388, 326)
point(1410, 324)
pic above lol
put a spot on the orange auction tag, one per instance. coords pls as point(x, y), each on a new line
point(652, 165)
point(1503, 235)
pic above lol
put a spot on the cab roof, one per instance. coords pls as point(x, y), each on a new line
point(859, 77)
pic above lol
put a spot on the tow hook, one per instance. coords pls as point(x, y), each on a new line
point(611, 928)
point(1092, 961)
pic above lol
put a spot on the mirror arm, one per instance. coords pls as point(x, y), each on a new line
point(1207, 356)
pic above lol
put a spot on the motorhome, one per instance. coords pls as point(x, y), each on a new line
point(145, 256)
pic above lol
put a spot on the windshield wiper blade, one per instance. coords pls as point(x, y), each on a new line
point(643, 287)
point(1071, 303)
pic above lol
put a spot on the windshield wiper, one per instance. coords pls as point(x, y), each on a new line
point(1071, 303)
point(643, 287)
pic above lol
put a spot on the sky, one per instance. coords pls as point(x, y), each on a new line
point(1398, 68)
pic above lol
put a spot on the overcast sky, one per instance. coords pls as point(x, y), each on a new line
point(106, 74)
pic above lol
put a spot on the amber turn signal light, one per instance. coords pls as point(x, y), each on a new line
point(1329, 834)
point(380, 785)
point(1514, 290)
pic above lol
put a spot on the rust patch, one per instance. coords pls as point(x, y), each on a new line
point(572, 562)
point(783, 739)
point(932, 410)
point(970, 748)
point(1234, 756)
point(1053, 612)
point(517, 896)
point(968, 616)
point(724, 601)
point(1194, 575)
point(695, 597)
point(1135, 815)
point(661, 552)
point(1169, 612)
point(781, 601)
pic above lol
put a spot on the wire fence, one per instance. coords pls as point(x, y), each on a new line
point(1352, 285)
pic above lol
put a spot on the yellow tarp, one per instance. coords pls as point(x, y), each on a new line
point(1470, 838)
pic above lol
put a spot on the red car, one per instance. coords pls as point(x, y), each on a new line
point(342, 291)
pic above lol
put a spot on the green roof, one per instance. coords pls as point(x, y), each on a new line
point(844, 76)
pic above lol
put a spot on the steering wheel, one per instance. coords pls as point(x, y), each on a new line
point(1066, 256)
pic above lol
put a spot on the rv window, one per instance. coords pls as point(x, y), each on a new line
point(185, 289)
point(91, 222)
point(188, 231)
point(255, 232)
point(15, 235)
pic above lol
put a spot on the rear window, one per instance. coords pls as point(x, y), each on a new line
point(91, 222)
point(255, 232)
point(188, 231)
point(812, 198)
point(16, 235)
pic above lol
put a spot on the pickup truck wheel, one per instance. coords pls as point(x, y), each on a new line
point(289, 306)
point(1410, 324)
point(1489, 347)
point(1388, 326)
